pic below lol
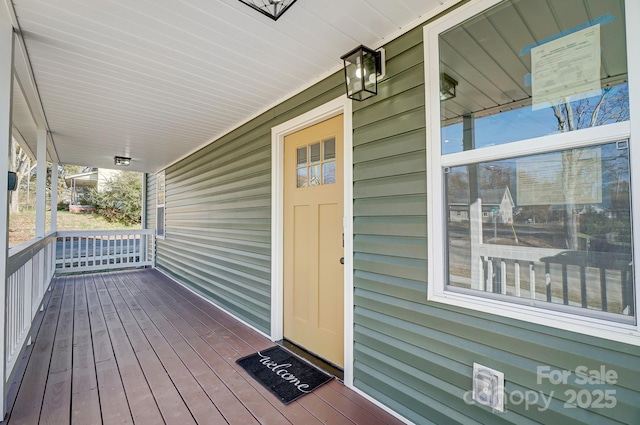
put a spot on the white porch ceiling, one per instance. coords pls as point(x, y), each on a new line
point(155, 80)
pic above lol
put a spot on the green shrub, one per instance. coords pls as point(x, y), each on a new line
point(120, 200)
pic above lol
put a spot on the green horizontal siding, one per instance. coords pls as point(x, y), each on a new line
point(218, 213)
point(218, 225)
point(416, 356)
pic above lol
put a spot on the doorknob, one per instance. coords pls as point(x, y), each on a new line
point(341, 260)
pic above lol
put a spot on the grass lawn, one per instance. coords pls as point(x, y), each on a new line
point(22, 225)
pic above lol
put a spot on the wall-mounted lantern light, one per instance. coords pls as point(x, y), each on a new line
point(447, 87)
point(122, 161)
point(362, 69)
point(271, 8)
point(12, 181)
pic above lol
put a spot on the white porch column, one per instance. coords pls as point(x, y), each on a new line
point(41, 183)
point(143, 213)
point(6, 91)
point(54, 196)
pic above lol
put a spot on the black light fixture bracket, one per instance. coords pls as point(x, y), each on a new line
point(271, 8)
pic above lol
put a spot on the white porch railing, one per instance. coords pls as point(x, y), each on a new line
point(102, 250)
point(30, 268)
point(32, 265)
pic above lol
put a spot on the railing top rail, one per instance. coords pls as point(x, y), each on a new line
point(71, 233)
point(20, 254)
point(14, 250)
point(517, 252)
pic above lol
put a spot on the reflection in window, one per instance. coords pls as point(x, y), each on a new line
point(160, 187)
point(553, 227)
point(329, 172)
point(533, 77)
point(319, 167)
point(302, 156)
point(329, 149)
point(314, 175)
point(314, 152)
point(535, 223)
point(302, 177)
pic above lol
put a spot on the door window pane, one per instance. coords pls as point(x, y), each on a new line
point(314, 153)
point(302, 177)
point(320, 166)
point(302, 155)
point(329, 172)
point(329, 148)
point(314, 175)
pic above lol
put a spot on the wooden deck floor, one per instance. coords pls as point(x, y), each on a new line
point(135, 347)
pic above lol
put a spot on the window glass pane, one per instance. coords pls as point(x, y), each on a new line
point(314, 175)
point(160, 188)
point(517, 76)
point(160, 221)
point(329, 149)
point(302, 155)
point(329, 172)
point(314, 153)
point(553, 228)
point(302, 177)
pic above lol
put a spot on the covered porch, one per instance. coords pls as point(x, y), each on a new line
point(434, 313)
point(135, 347)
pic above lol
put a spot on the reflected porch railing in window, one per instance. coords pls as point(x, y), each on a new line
point(596, 281)
point(568, 278)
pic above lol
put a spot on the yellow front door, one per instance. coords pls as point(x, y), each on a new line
point(313, 240)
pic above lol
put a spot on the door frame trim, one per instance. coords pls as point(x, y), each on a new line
point(341, 105)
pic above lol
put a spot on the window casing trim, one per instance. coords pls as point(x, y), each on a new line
point(436, 288)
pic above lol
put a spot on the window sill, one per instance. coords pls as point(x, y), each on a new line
point(618, 332)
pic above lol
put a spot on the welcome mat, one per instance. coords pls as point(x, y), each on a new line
point(282, 373)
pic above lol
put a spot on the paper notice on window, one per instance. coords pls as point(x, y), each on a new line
point(566, 69)
point(560, 178)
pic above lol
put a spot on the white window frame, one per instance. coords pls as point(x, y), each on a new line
point(159, 176)
point(436, 284)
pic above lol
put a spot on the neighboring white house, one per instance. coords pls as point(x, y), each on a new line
point(495, 203)
point(80, 184)
point(506, 207)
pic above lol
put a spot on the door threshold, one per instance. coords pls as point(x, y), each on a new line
point(314, 359)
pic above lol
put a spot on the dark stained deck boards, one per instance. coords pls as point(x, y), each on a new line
point(142, 404)
point(84, 385)
point(113, 400)
point(248, 396)
point(135, 347)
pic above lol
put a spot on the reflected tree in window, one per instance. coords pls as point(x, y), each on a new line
point(611, 106)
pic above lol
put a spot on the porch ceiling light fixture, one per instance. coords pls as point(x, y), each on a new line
point(447, 87)
point(271, 8)
point(122, 161)
point(363, 67)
